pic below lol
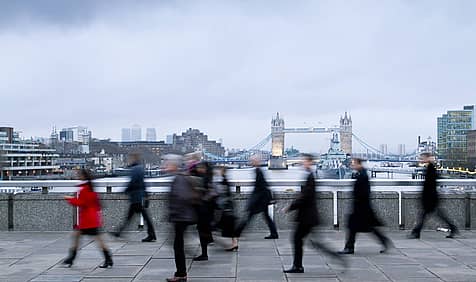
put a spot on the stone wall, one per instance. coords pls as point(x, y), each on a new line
point(4, 212)
point(49, 212)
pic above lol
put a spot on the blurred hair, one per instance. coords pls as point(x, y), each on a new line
point(358, 160)
point(255, 158)
point(88, 176)
point(307, 157)
point(195, 156)
point(173, 159)
point(426, 155)
point(136, 156)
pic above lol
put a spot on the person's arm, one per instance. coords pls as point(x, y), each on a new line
point(80, 201)
point(306, 194)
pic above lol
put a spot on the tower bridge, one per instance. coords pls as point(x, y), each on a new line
point(277, 158)
point(278, 131)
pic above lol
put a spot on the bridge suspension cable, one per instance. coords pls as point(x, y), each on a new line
point(244, 156)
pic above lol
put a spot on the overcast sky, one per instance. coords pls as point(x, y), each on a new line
point(226, 67)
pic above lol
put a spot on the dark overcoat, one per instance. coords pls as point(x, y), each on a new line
point(261, 195)
point(362, 218)
point(305, 203)
point(430, 194)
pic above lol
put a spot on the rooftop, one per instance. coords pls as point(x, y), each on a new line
point(30, 256)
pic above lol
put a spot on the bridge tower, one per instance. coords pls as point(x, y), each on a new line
point(346, 133)
point(277, 160)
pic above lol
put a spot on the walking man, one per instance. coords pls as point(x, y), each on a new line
point(306, 218)
point(258, 202)
point(430, 199)
point(362, 218)
point(137, 198)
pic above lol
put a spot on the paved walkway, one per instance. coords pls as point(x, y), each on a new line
point(26, 256)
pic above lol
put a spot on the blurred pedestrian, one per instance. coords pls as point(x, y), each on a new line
point(227, 220)
point(136, 191)
point(259, 201)
point(182, 213)
point(206, 208)
point(363, 218)
point(90, 220)
point(306, 218)
point(430, 199)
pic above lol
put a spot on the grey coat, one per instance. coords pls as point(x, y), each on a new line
point(181, 201)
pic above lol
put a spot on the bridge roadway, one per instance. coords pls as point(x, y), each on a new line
point(37, 256)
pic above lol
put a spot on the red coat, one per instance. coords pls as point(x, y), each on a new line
point(89, 207)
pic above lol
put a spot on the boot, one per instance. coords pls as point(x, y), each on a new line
point(69, 260)
point(107, 260)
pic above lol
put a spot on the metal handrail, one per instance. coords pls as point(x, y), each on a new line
point(166, 182)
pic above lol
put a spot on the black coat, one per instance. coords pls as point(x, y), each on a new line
point(430, 194)
point(136, 187)
point(305, 203)
point(261, 196)
point(363, 218)
point(181, 200)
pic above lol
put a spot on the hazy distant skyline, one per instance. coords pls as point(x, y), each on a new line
point(226, 67)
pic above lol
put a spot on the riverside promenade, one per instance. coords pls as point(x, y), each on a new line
point(37, 256)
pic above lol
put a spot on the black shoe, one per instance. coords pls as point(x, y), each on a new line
point(388, 245)
point(232, 249)
point(115, 234)
point(294, 269)
point(69, 260)
point(177, 279)
point(200, 258)
point(413, 236)
point(149, 239)
point(107, 260)
point(346, 251)
point(453, 233)
point(272, 237)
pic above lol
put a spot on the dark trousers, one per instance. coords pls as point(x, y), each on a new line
point(303, 230)
point(138, 208)
point(267, 218)
point(440, 213)
point(179, 249)
point(351, 235)
point(205, 214)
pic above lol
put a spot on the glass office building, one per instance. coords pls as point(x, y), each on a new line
point(452, 130)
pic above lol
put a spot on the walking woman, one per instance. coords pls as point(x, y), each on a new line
point(89, 218)
point(225, 204)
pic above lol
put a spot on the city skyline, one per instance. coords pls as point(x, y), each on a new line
point(395, 66)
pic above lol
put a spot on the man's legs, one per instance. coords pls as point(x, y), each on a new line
point(272, 227)
point(350, 241)
point(149, 223)
point(132, 210)
point(179, 250)
point(300, 233)
point(241, 226)
point(442, 214)
point(420, 221)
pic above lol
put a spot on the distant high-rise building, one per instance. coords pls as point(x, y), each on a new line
point(150, 134)
point(383, 149)
point(346, 134)
point(401, 149)
point(169, 139)
point(75, 134)
point(6, 135)
point(471, 144)
point(126, 135)
point(136, 133)
point(452, 130)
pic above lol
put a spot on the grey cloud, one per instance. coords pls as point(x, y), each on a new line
point(227, 67)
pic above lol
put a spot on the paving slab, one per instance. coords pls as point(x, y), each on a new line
point(38, 256)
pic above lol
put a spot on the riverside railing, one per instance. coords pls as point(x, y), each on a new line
point(161, 185)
